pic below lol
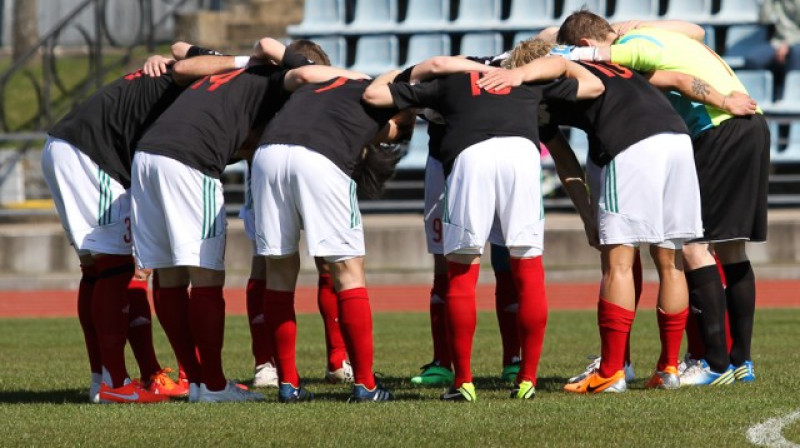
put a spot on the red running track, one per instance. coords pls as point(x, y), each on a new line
point(397, 298)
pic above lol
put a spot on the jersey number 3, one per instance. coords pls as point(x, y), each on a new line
point(215, 81)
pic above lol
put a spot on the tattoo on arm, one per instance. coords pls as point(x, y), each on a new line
point(699, 87)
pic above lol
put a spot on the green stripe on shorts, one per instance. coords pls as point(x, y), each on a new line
point(106, 198)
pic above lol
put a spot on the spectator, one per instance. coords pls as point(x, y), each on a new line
point(782, 53)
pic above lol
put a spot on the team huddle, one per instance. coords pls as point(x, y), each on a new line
point(678, 160)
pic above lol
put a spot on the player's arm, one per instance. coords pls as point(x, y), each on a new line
point(696, 89)
point(157, 65)
point(310, 74)
point(446, 65)
point(691, 30)
point(543, 69)
point(378, 93)
point(188, 70)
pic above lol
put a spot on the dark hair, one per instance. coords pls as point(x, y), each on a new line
point(583, 24)
point(310, 50)
point(375, 169)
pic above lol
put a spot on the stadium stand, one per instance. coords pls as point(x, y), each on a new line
point(477, 15)
point(634, 9)
point(417, 153)
point(736, 11)
point(739, 40)
point(698, 11)
point(321, 17)
point(335, 46)
point(376, 54)
point(530, 14)
point(426, 15)
point(759, 85)
point(790, 103)
point(481, 44)
point(374, 16)
point(424, 46)
point(569, 6)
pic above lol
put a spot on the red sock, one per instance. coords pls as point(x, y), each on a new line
point(532, 315)
point(109, 312)
point(207, 323)
point(506, 304)
point(694, 341)
point(441, 346)
point(461, 316)
point(282, 324)
point(727, 321)
point(261, 341)
point(329, 310)
point(172, 309)
point(670, 328)
point(728, 337)
point(140, 329)
point(615, 324)
point(355, 319)
point(85, 292)
point(637, 287)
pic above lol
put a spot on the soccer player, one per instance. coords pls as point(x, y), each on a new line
point(86, 164)
point(303, 178)
point(732, 162)
point(491, 161)
point(178, 212)
point(644, 190)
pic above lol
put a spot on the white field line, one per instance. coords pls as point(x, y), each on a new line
point(769, 433)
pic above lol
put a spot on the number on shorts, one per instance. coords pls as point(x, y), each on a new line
point(127, 237)
point(215, 81)
point(437, 230)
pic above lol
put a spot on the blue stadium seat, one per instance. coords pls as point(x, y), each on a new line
point(791, 154)
point(477, 15)
point(320, 17)
point(596, 6)
point(790, 103)
point(417, 155)
point(374, 16)
point(579, 142)
point(634, 9)
point(697, 11)
point(520, 36)
point(758, 84)
point(736, 11)
point(481, 44)
point(710, 38)
point(335, 47)
point(740, 39)
point(424, 46)
point(376, 54)
point(531, 14)
point(426, 15)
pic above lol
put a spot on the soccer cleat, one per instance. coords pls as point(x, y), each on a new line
point(231, 393)
point(687, 363)
point(701, 375)
point(510, 371)
point(464, 393)
point(266, 375)
point(630, 374)
point(194, 392)
point(341, 375)
point(94, 388)
point(745, 373)
point(160, 383)
point(287, 393)
point(665, 379)
point(131, 392)
point(524, 391)
point(596, 384)
point(433, 374)
point(362, 395)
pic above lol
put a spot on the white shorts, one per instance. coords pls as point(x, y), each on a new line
point(297, 188)
point(246, 213)
point(648, 193)
point(494, 194)
point(94, 208)
point(434, 204)
point(178, 215)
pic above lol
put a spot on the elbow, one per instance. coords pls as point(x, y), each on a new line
point(594, 90)
point(370, 95)
point(179, 49)
point(180, 69)
point(438, 65)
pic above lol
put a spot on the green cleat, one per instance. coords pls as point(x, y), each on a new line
point(509, 373)
point(523, 391)
point(433, 374)
point(464, 393)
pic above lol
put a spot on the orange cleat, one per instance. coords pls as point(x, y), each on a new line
point(129, 393)
point(595, 384)
point(665, 379)
point(160, 383)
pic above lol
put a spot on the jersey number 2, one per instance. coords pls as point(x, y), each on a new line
point(215, 81)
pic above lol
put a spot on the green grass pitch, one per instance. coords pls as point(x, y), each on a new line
point(44, 380)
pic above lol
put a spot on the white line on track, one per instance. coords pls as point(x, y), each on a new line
point(769, 433)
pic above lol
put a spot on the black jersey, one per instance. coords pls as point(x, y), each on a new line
point(329, 118)
point(107, 125)
point(436, 133)
point(629, 111)
point(473, 115)
point(212, 118)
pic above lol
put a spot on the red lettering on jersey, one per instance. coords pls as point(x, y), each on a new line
point(473, 83)
point(134, 75)
point(338, 83)
point(612, 70)
point(215, 81)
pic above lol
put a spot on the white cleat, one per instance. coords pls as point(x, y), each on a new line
point(266, 375)
point(341, 375)
point(231, 393)
point(94, 388)
point(687, 363)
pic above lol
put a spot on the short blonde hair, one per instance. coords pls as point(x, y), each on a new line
point(527, 51)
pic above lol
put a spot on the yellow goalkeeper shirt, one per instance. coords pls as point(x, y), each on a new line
point(650, 49)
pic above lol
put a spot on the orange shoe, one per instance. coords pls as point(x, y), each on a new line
point(665, 379)
point(595, 384)
point(129, 393)
point(160, 383)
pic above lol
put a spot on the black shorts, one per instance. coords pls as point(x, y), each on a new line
point(732, 163)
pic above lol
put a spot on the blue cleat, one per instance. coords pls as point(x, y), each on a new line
point(745, 373)
point(287, 393)
point(701, 375)
point(362, 395)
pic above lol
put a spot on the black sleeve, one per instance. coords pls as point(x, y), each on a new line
point(293, 59)
point(548, 128)
point(424, 94)
point(405, 75)
point(194, 50)
point(561, 89)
